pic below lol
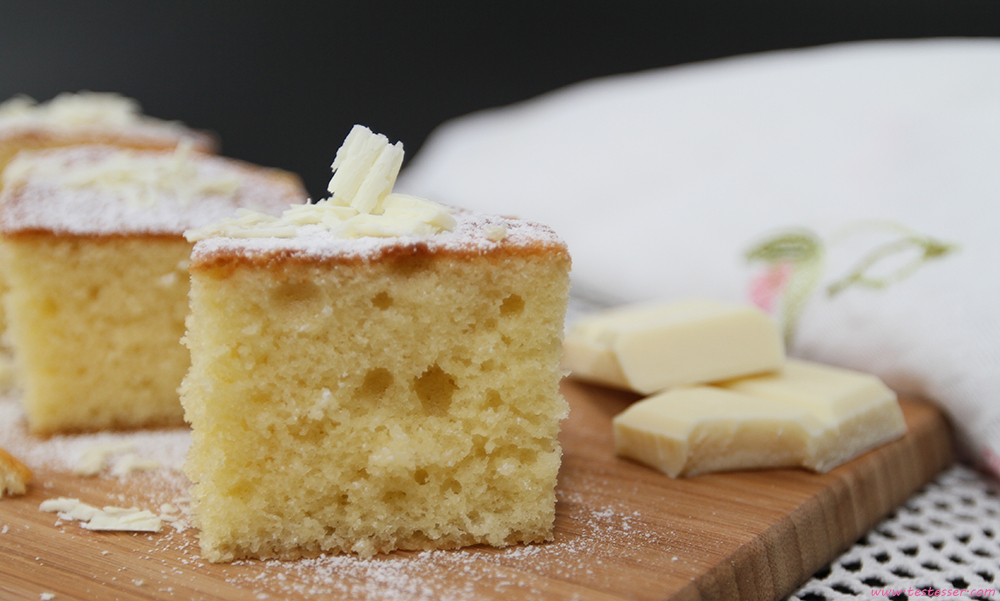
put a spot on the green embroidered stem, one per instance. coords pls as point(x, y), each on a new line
point(931, 249)
point(802, 254)
point(803, 250)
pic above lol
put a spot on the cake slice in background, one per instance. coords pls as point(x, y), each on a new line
point(94, 254)
point(83, 118)
point(88, 118)
point(373, 372)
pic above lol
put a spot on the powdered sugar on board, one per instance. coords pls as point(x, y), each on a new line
point(64, 452)
point(586, 538)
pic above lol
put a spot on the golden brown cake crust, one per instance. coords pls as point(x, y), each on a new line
point(40, 234)
point(220, 256)
point(405, 255)
point(139, 136)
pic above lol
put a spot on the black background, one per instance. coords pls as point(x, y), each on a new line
point(282, 82)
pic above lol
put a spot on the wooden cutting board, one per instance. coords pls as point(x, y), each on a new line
point(622, 532)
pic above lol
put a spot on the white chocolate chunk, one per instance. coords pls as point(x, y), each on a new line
point(653, 347)
point(858, 411)
point(688, 431)
point(808, 415)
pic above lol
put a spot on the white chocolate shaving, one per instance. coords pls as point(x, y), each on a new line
point(140, 178)
point(496, 233)
point(115, 519)
point(130, 462)
point(365, 170)
point(84, 108)
point(95, 457)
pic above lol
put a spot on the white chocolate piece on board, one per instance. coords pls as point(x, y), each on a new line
point(859, 411)
point(688, 431)
point(652, 347)
point(808, 415)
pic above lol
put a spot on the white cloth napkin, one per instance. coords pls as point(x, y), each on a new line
point(661, 181)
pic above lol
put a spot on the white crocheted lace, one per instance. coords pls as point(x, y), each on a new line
point(945, 538)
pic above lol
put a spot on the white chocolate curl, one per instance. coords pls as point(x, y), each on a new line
point(362, 202)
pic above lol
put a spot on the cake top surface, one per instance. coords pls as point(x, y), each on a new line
point(364, 219)
point(472, 234)
point(88, 113)
point(103, 190)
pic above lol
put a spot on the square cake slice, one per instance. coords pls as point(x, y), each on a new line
point(94, 253)
point(356, 388)
point(86, 118)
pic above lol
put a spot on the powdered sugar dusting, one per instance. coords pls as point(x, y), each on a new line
point(590, 536)
point(473, 233)
point(40, 203)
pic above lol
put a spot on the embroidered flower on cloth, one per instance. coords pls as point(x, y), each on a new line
point(795, 260)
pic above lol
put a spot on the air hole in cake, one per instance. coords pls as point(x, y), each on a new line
point(394, 497)
point(382, 300)
point(435, 388)
point(493, 399)
point(452, 485)
point(462, 356)
point(490, 323)
point(376, 382)
point(294, 292)
point(420, 476)
point(506, 340)
point(479, 445)
point(515, 453)
point(312, 430)
point(512, 305)
point(49, 307)
point(488, 365)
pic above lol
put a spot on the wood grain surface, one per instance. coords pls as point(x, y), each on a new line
point(623, 531)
